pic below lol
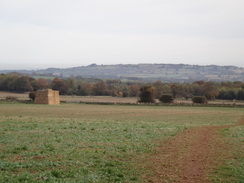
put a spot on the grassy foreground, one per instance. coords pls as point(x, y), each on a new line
point(232, 170)
point(94, 143)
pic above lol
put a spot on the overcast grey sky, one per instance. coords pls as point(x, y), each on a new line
point(62, 33)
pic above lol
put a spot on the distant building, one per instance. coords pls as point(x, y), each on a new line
point(48, 97)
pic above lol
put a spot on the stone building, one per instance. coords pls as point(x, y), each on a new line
point(48, 97)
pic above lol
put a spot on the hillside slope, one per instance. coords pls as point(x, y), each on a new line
point(149, 72)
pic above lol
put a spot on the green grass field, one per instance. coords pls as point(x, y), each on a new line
point(233, 168)
point(98, 143)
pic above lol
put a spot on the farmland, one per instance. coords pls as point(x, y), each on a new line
point(115, 143)
point(112, 100)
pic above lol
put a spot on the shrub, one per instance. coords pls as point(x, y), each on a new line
point(32, 95)
point(11, 98)
point(147, 94)
point(200, 100)
point(166, 98)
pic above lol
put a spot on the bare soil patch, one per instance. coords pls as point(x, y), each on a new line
point(188, 157)
point(20, 96)
point(99, 99)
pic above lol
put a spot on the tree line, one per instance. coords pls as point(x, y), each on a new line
point(96, 87)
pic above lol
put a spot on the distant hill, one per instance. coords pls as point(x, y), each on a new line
point(146, 72)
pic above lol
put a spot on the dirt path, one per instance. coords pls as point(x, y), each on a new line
point(188, 157)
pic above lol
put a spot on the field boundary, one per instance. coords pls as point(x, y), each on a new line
point(161, 104)
point(135, 104)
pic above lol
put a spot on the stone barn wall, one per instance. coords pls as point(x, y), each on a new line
point(47, 96)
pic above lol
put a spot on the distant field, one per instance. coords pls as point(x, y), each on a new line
point(45, 77)
point(98, 143)
point(99, 99)
point(66, 98)
point(20, 96)
point(108, 99)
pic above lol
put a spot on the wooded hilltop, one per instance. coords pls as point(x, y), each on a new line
point(145, 72)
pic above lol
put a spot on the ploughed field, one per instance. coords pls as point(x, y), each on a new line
point(120, 143)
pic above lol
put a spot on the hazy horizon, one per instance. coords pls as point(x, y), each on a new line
point(40, 67)
point(41, 34)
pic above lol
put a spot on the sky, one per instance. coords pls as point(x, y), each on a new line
point(67, 33)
